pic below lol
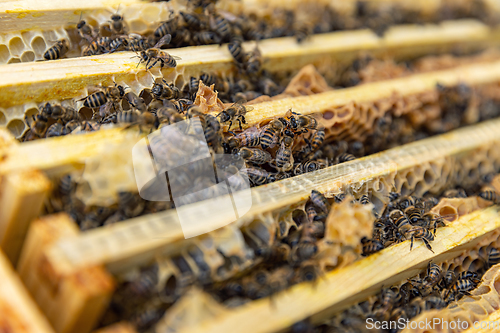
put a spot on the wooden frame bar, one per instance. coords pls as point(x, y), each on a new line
point(73, 303)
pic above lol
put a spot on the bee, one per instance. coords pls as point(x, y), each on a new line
point(431, 221)
point(58, 112)
point(237, 112)
point(258, 176)
point(493, 257)
point(38, 125)
point(85, 30)
point(448, 279)
point(145, 120)
point(194, 84)
point(167, 27)
point(307, 273)
point(370, 246)
point(433, 276)
point(117, 24)
point(490, 196)
point(386, 302)
point(317, 140)
point(138, 43)
point(284, 158)
point(192, 21)
point(319, 200)
point(155, 55)
point(270, 133)
point(248, 138)
point(254, 155)
point(471, 276)
point(253, 62)
point(345, 157)
point(303, 31)
point(57, 50)
point(414, 214)
point(131, 204)
point(104, 99)
point(212, 130)
point(135, 101)
point(55, 129)
point(119, 43)
point(97, 46)
point(309, 166)
point(145, 284)
point(455, 193)
point(236, 50)
point(407, 201)
point(221, 26)
point(300, 123)
point(163, 90)
point(90, 125)
point(417, 232)
point(206, 38)
point(312, 214)
point(461, 286)
point(168, 115)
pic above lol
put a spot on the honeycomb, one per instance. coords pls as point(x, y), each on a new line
point(451, 209)
point(485, 298)
point(30, 45)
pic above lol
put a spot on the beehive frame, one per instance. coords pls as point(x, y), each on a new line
point(60, 270)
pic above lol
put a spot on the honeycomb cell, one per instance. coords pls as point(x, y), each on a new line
point(16, 127)
point(3, 118)
point(14, 61)
point(38, 45)
point(28, 56)
point(29, 113)
point(4, 53)
point(16, 46)
point(138, 26)
point(145, 79)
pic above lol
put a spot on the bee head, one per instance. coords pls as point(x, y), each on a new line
point(80, 24)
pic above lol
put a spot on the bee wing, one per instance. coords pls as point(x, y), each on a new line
point(249, 107)
point(104, 109)
point(176, 57)
point(163, 41)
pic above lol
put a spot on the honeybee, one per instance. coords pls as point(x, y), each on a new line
point(97, 46)
point(493, 257)
point(104, 99)
point(117, 24)
point(448, 279)
point(85, 30)
point(414, 214)
point(55, 129)
point(162, 90)
point(38, 125)
point(284, 158)
point(422, 233)
point(57, 50)
point(236, 50)
point(490, 195)
point(319, 200)
point(57, 112)
point(386, 302)
point(168, 115)
point(371, 246)
point(317, 140)
point(468, 275)
point(460, 287)
point(145, 120)
point(455, 193)
point(221, 26)
point(300, 123)
point(145, 284)
point(131, 204)
point(309, 166)
point(258, 176)
point(432, 278)
point(237, 112)
point(90, 125)
point(253, 63)
point(345, 157)
point(269, 135)
point(119, 43)
point(303, 31)
point(192, 21)
point(254, 155)
point(248, 138)
point(167, 27)
point(431, 221)
point(135, 101)
point(206, 38)
point(212, 131)
point(155, 55)
point(138, 43)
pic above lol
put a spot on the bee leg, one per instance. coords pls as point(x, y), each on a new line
point(230, 124)
point(241, 127)
point(426, 242)
point(411, 245)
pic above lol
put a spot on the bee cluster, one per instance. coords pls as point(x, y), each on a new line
point(411, 217)
point(201, 23)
